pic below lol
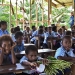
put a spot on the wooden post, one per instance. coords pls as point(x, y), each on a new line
point(23, 16)
point(36, 15)
point(16, 14)
point(30, 14)
point(49, 11)
point(74, 12)
point(10, 17)
point(42, 13)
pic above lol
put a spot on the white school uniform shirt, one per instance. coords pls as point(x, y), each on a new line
point(25, 59)
point(13, 37)
point(35, 33)
point(73, 38)
point(46, 35)
point(61, 52)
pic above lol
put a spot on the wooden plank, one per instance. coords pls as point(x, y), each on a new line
point(60, 3)
point(12, 68)
point(74, 12)
point(49, 10)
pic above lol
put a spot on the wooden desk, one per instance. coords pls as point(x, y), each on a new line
point(40, 51)
point(27, 44)
point(12, 68)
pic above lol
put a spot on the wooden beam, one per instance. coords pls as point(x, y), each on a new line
point(16, 14)
point(23, 16)
point(42, 13)
point(36, 15)
point(60, 3)
point(5, 4)
point(74, 12)
point(54, 4)
point(30, 14)
point(49, 11)
point(10, 17)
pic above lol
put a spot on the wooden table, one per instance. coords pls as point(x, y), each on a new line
point(27, 44)
point(12, 68)
point(40, 51)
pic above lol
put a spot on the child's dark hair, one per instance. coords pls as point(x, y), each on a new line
point(5, 38)
point(33, 27)
point(54, 28)
point(50, 27)
point(3, 23)
point(68, 33)
point(18, 34)
point(31, 48)
point(16, 29)
point(40, 27)
point(66, 37)
point(73, 33)
point(12, 30)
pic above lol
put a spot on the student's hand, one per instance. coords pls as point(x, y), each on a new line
point(14, 44)
point(45, 61)
point(1, 50)
point(33, 65)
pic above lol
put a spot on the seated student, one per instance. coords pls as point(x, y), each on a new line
point(56, 43)
point(73, 28)
point(19, 44)
point(3, 27)
point(13, 34)
point(73, 43)
point(30, 59)
point(65, 52)
point(63, 30)
point(60, 33)
point(68, 33)
point(27, 34)
point(38, 33)
point(46, 36)
point(7, 55)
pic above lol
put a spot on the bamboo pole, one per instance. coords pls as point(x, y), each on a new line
point(23, 16)
point(30, 13)
point(74, 12)
point(16, 14)
point(42, 13)
point(49, 11)
point(36, 15)
point(10, 17)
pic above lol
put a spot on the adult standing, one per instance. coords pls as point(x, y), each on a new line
point(72, 19)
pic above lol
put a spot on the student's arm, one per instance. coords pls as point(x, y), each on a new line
point(65, 58)
point(1, 56)
point(24, 61)
point(13, 55)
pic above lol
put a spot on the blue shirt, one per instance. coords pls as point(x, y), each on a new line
point(25, 59)
point(62, 52)
point(71, 21)
point(3, 32)
point(35, 33)
point(7, 59)
point(19, 48)
point(46, 35)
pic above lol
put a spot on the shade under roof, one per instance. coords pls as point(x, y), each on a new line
point(58, 3)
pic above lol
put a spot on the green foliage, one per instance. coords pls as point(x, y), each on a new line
point(58, 15)
point(54, 65)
